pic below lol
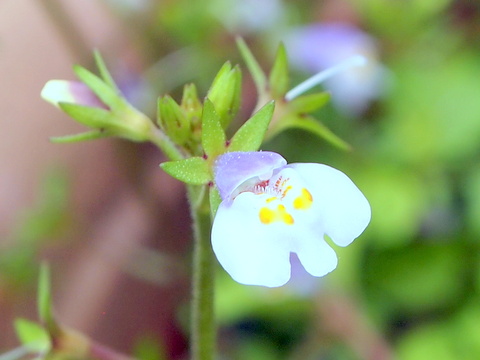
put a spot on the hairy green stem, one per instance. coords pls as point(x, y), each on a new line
point(203, 332)
point(164, 143)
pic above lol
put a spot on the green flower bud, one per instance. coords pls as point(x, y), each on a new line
point(279, 78)
point(173, 121)
point(97, 103)
point(225, 93)
point(192, 108)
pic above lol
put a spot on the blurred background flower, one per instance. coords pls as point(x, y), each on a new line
point(320, 46)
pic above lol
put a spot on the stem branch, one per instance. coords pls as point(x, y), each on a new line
point(164, 143)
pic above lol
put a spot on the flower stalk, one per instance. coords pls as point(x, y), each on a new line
point(203, 331)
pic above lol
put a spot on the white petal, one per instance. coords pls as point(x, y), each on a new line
point(343, 211)
point(251, 252)
point(74, 92)
point(56, 91)
point(315, 255)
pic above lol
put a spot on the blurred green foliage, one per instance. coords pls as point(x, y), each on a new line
point(46, 221)
point(414, 275)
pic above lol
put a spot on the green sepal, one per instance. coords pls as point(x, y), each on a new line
point(193, 171)
point(256, 71)
point(224, 70)
point(279, 78)
point(306, 104)
point(89, 116)
point(172, 120)
point(108, 95)
point(250, 136)
point(313, 126)
point(104, 73)
point(213, 135)
point(215, 201)
point(89, 135)
point(224, 93)
point(32, 336)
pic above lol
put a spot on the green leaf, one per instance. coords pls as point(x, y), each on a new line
point(194, 170)
point(250, 136)
point(213, 135)
point(89, 116)
point(315, 127)
point(90, 135)
point(109, 96)
point(237, 92)
point(306, 104)
point(104, 73)
point(258, 75)
point(33, 336)
point(279, 78)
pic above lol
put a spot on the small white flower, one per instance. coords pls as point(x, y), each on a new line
point(74, 92)
point(271, 209)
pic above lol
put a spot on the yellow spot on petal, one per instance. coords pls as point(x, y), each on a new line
point(284, 215)
point(268, 216)
point(304, 201)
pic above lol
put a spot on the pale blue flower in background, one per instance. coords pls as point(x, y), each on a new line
point(248, 16)
point(317, 47)
point(270, 209)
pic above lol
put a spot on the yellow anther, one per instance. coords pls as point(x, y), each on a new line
point(287, 189)
point(304, 201)
point(267, 216)
point(269, 200)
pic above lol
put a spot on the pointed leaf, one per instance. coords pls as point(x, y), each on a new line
point(213, 135)
point(306, 104)
point(109, 96)
point(258, 75)
point(104, 73)
point(32, 336)
point(237, 92)
point(86, 115)
point(250, 136)
point(279, 77)
point(89, 135)
point(315, 127)
point(194, 170)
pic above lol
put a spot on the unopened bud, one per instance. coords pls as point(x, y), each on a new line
point(225, 93)
point(173, 121)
